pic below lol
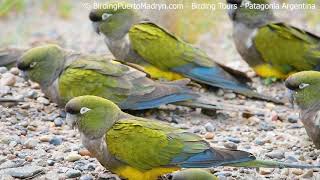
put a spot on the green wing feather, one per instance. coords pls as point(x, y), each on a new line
point(294, 49)
point(163, 49)
point(145, 144)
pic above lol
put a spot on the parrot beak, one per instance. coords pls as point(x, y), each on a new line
point(95, 26)
point(71, 120)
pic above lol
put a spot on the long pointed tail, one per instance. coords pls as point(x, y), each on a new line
point(271, 164)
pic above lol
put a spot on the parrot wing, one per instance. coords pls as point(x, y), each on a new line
point(164, 50)
point(288, 48)
point(126, 86)
point(146, 144)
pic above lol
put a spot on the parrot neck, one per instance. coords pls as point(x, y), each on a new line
point(117, 27)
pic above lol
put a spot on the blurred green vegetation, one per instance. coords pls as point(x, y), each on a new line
point(7, 6)
point(63, 7)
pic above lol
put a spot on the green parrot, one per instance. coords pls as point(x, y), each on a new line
point(63, 75)
point(142, 149)
point(162, 55)
point(306, 85)
point(273, 49)
point(10, 56)
point(190, 174)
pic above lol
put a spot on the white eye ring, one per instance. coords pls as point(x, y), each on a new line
point(84, 110)
point(33, 64)
point(303, 85)
point(105, 16)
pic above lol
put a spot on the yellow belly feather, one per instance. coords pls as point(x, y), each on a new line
point(156, 73)
point(266, 70)
point(135, 174)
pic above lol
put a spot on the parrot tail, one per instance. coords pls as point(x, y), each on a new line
point(218, 77)
point(9, 57)
point(271, 164)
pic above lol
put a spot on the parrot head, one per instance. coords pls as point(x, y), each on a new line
point(243, 12)
point(305, 87)
point(92, 115)
point(114, 19)
point(42, 64)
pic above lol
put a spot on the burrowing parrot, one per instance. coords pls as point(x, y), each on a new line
point(306, 86)
point(190, 174)
point(273, 49)
point(63, 75)
point(143, 149)
point(133, 39)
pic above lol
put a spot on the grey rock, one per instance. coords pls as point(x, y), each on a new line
point(233, 139)
point(275, 155)
point(7, 79)
point(50, 162)
point(293, 118)
point(209, 127)
point(25, 171)
point(230, 145)
point(108, 177)
point(72, 173)
point(4, 90)
point(86, 177)
point(58, 122)
point(31, 143)
point(55, 141)
point(3, 69)
point(43, 100)
point(291, 159)
point(265, 126)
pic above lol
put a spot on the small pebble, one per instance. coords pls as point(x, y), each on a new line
point(86, 177)
point(31, 143)
point(58, 122)
point(230, 96)
point(43, 100)
point(50, 162)
point(73, 156)
point(308, 174)
point(14, 71)
point(297, 171)
point(7, 79)
point(84, 152)
point(233, 139)
point(293, 118)
point(55, 141)
point(44, 138)
point(209, 127)
point(275, 155)
point(3, 70)
point(230, 145)
point(209, 135)
point(72, 173)
point(266, 171)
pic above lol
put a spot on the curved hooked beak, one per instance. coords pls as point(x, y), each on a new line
point(95, 26)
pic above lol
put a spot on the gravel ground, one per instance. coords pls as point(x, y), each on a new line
point(36, 143)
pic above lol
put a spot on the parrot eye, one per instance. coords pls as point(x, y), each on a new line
point(83, 110)
point(33, 64)
point(105, 16)
point(303, 85)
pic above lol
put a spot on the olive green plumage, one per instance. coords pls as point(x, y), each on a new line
point(272, 48)
point(306, 85)
point(134, 146)
point(163, 55)
point(63, 75)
